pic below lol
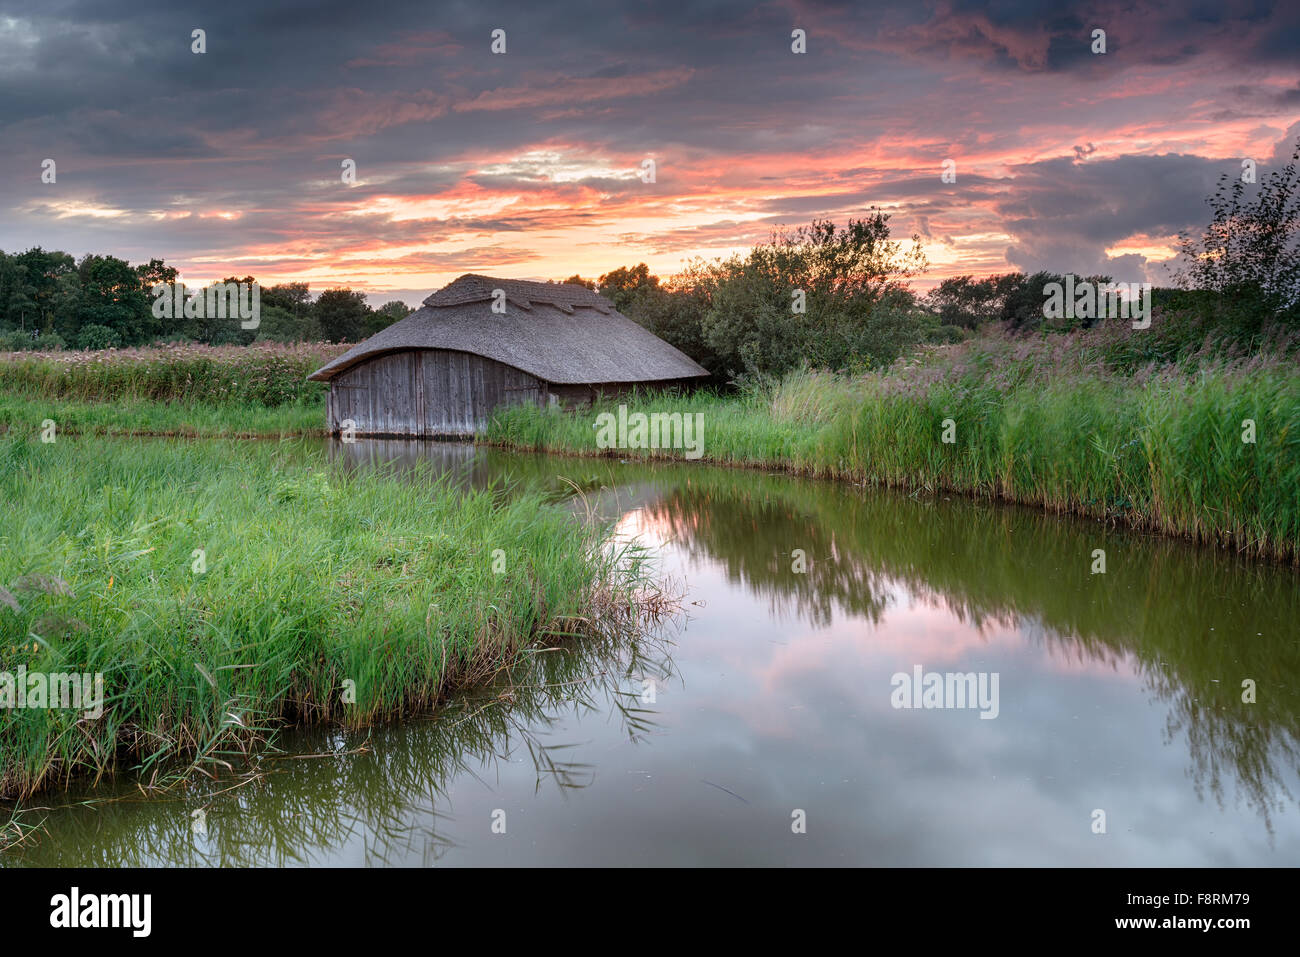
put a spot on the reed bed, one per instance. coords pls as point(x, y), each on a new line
point(1049, 422)
point(269, 374)
point(321, 595)
point(23, 415)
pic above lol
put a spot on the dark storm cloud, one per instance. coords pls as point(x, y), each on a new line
point(229, 154)
point(1025, 35)
point(1067, 211)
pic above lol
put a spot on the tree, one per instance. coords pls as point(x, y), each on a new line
point(17, 296)
point(674, 311)
point(210, 328)
point(156, 272)
point(394, 310)
point(820, 296)
point(623, 286)
point(966, 301)
point(1249, 254)
point(112, 296)
point(383, 317)
point(342, 314)
point(292, 296)
point(576, 280)
point(1024, 301)
point(288, 309)
point(37, 289)
point(280, 325)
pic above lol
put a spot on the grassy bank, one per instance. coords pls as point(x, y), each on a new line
point(267, 374)
point(23, 415)
point(191, 391)
point(1050, 422)
point(1107, 423)
point(309, 579)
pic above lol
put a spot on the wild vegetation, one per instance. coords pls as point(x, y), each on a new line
point(222, 590)
point(268, 374)
point(1207, 449)
point(175, 390)
point(24, 415)
point(1188, 426)
point(48, 300)
point(840, 299)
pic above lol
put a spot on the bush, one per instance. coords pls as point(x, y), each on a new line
point(14, 340)
point(19, 340)
point(850, 284)
point(94, 336)
point(280, 325)
point(966, 301)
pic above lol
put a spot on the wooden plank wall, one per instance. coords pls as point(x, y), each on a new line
point(426, 393)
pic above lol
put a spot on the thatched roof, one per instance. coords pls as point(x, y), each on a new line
point(557, 332)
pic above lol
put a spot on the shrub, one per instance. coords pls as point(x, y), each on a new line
point(94, 336)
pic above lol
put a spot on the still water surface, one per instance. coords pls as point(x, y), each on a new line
point(1118, 692)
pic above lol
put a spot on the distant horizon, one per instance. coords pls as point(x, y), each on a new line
point(530, 164)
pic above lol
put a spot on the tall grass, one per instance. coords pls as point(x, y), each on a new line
point(313, 578)
point(1043, 422)
point(24, 415)
point(179, 390)
point(270, 374)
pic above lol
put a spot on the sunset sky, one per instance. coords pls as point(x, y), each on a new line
point(526, 164)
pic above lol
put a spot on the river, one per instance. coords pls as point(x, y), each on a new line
point(762, 726)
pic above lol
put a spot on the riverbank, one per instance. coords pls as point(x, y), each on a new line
point(221, 591)
point(1114, 424)
point(266, 373)
point(1209, 451)
point(25, 415)
point(181, 391)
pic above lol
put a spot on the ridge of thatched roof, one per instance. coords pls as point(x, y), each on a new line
point(557, 332)
point(522, 292)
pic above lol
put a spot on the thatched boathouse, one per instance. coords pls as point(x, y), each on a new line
point(479, 343)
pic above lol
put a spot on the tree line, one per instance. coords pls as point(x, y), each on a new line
point(49, 300)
